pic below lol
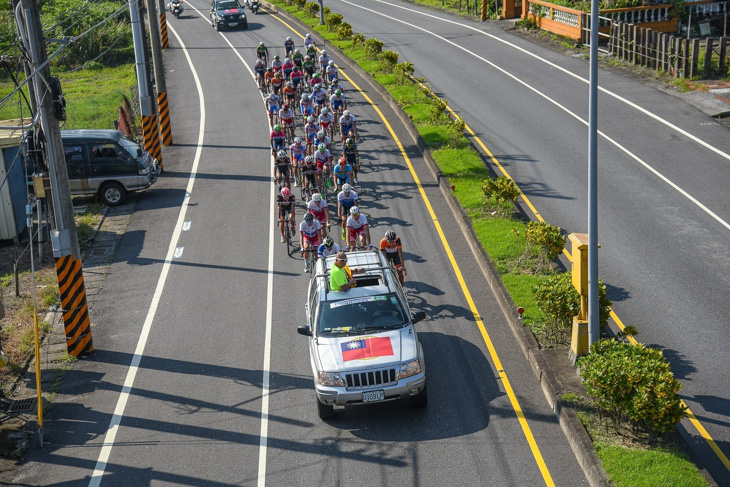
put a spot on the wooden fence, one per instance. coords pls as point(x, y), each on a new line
point(683, 58)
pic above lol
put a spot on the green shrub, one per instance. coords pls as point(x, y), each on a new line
point(403, 71)
point(548, 238)
point(332, 21)
point(437, 109)
point(633, 382)
point(558, 299)
point(344, 31)
point(502, 191)
point(326, 11)
point(300, 3)
point(373, 47)
point(358, 39)
point(455, 132)
point(388, 60)
point(312, 8)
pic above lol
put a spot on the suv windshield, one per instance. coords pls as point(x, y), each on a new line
point(129, 146)
point(227, 5)
point(357, 316)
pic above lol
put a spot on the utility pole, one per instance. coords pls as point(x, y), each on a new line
point(159, 68)
point(64, 237)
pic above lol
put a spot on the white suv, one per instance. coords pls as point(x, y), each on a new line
point(362, 344)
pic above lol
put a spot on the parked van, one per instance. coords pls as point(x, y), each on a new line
point(106, 163)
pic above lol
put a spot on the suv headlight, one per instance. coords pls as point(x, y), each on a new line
point(331, 379)
point(410, 368)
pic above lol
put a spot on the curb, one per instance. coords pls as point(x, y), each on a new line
point(575, 432)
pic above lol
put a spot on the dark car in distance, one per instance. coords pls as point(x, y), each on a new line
point(227, 13)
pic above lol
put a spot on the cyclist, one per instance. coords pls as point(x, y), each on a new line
point(306, 106)
point(330, 71)
point(334, 86)
point(297, 58)
point(297, 151)
point(276, 64)
point(310, 132)
point(281, 168)
point(285, 203)
point(309, 175)
point(277, 82)
point(329, 247)
point(311, 51)
point(262, 53)
point(287, 67)
point(348, 125)
point(308, 66)
point(327, 121)
point(260, 70)
point(309, 42)
point(352, 156)
point(318, 208)
point(286, 115)
point(323, 139)
point(341, 173)
point(346, 199)
point(277, 139)
point(315, 80)
point(357, 226)
point(391, 248)
point(323, 159)
point(268, 76)
point(338, 102)
point(272, 104)
point(288, 46)
point(309, 235)
point(320, 97)
point(296, 77)
point(290, 95)
point(324, 60)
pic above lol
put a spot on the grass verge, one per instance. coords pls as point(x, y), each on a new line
point(465, 169)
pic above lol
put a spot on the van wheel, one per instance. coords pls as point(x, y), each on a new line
point(421, 399)
point(113, 194)
point(326, 411)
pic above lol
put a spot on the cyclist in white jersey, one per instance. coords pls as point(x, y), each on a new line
point(346, 199)
point(357, 226)
point(329, 247)
point(318, 207)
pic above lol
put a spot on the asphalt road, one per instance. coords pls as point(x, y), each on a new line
point(204, 301)
point(662, 181)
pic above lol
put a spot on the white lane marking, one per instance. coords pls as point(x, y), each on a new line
point(563, 108)
point(111, 433)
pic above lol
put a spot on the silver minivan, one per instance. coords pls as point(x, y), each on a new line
point(106, 163)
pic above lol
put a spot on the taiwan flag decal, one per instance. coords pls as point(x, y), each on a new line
point(366, 348)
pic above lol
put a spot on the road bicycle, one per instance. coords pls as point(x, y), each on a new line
point(309, 259)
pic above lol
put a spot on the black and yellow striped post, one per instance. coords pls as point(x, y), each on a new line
point(163, 29)
point(165, 128)
point(73, 303)
point(484, 10)
point(151, 137)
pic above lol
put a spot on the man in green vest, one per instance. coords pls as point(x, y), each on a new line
point(341, 276)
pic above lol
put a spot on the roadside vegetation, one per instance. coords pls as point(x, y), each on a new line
point(632, 411)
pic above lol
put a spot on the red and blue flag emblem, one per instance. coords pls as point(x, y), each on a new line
point(366, 348)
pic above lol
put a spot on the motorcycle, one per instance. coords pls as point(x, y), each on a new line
point(176, 8)
point(254, 6)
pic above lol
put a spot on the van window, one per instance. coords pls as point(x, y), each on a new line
point(75, 164)
point(110, 160)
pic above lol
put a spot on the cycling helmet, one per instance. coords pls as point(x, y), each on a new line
point(285, 192)
point(328, 242)
point(331, 63)
point(346, 188)
point(390, 236)
point(298, 140)
point(277, 127)
point(350, 141)
point(269, 69)
point(276, 57)
point(296, 51)
point(309, 217)
point(309, 160)
point(261, 44)
point(307, 58)
point(260, 61)
point(320, 134)
point(289, 84)
point(304, 96)
point(288, 38)
point(287, 60)
point(308, 35)
point(316, 197)
point(338, 92)
point(310, 119)
point(322, 147)
point(324, 53)
point(281, 153)
point(346, 113)
point(354, 211)
point(325, 111)
point(317, 86)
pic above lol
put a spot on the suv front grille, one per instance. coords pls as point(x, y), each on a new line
point(361, 380)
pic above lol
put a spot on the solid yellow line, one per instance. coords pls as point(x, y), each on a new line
point(692, 418)
point(487, 340)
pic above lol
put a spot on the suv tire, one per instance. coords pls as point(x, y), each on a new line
point(421, 399)
point(326, 411)
point(113, 194)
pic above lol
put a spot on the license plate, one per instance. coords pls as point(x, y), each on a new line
point(373, 396)
point(232, 24)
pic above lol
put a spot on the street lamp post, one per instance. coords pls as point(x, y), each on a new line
point(593, 311)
